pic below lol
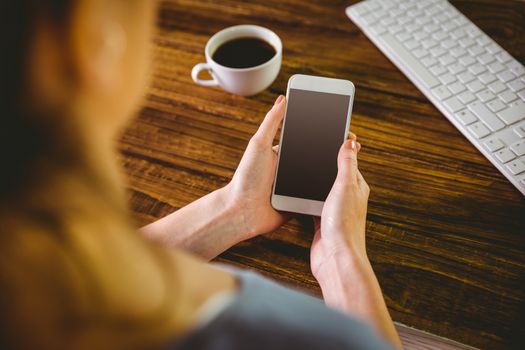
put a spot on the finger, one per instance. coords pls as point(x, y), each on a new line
point(358, 147)
point(347, 162)
point(317, 223)
point(276, 149)
point(271, 122)
point(362, 182)
point(352, 136)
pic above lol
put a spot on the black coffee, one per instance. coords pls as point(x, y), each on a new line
point(244, 53)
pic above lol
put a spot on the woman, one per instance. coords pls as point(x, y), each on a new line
point(75, 274)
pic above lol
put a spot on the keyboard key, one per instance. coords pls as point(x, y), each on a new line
point(387, 21)
point(447, 79)
point(508, 96)
point(438, 70)
point(517, 167)
point(404, 20)
point(517, 85)
point(466, 42)
point(466, 97)
point(456, 68)
point(369, 19)
point(493, 145)
point(441, 92)
point(506, 76)
point(372, 5)
point(514, 113)
point(485, 95)
point(480, 110)
point(411, 44)
point(420, 35)
point(453, 104)
point(496, 105)
point(520, 130)
point(440, 36)
point(403, 36)
point(411, 28)
point(429, 61)
point(438, 51)
point(458, 52)
point(448, 26)
point(447, 60)
point(473, 31)
point(420, 53)
point(381, 14)
point(505, 155)
point(449, 44)
point(431, 28)
point(518, 147)
point(487, 78)
point(483, 40)
point(497, 87)
point(486, 58)
point(493, 48)
point(466, 77)
point(517, 68)
point(479, 130)
point(521, 94)
point(429, 43)
point(496, 67)
point(395, 29)
point(458, 33)
point(503, 57)
point(456, 88)
point(467, 61)
point(475, 86)
point(477, 69)
point(466, 117)
point(476, 50)
point(414, 65)
point(415, 13)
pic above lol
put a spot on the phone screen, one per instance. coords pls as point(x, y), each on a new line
point(313, 133)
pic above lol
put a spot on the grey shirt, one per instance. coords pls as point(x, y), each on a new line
point(266, 315)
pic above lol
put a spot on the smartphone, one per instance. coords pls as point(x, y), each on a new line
point(316, 124)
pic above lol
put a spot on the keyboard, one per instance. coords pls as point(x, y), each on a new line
point(474, 82)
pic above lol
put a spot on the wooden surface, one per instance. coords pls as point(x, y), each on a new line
point(446, 231)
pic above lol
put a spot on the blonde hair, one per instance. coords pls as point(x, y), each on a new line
point(73, 272)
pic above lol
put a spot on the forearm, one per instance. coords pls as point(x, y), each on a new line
point(349, 284)
point(206, 227)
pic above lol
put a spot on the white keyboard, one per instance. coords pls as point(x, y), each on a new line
point(475, 83)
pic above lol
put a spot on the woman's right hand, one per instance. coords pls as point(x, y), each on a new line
point(341, 228)
point(338, 256)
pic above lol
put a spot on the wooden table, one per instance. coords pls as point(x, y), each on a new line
point(446, 231)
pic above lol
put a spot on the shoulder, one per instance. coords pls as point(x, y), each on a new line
point(267, 315)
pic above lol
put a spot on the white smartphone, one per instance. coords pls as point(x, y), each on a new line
point(316, 124)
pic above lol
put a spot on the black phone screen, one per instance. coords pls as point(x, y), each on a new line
point(313, 133)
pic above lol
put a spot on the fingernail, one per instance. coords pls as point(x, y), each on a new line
point(279, 99)
point(350, 144)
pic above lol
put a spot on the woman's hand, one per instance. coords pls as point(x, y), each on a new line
point(338, 256)
point(236, 212)
point(251, 187)
point(341, 228)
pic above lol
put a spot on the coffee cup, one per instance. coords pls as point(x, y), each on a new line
point(240, 60)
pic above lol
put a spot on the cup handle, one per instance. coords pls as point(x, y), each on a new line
point(195, 75)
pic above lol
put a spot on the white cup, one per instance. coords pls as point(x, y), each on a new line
point(240, 81)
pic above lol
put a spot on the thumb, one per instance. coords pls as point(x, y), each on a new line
point(347, 162)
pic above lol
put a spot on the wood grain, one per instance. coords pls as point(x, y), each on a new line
point(446, 231)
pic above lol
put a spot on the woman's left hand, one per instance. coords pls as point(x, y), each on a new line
point(251, 187)
point(236, 212)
